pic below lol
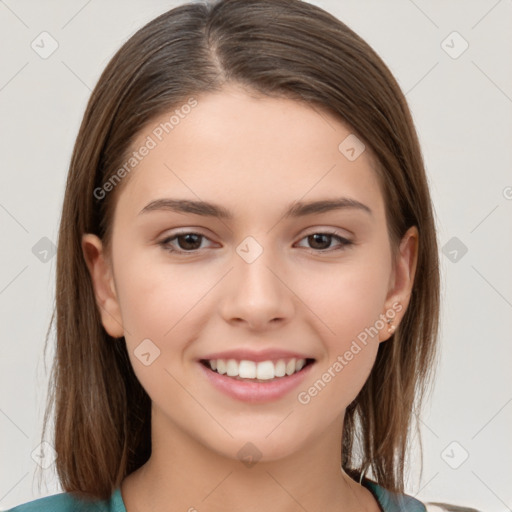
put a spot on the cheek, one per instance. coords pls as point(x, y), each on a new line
point(350, 310)
point(155, 297)
point(348, 303)
point(160, 305)
point(347, 298)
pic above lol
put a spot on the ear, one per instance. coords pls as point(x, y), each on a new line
point(401, 282)
point(103, 282)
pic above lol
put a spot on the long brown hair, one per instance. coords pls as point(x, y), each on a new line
point(279, 48)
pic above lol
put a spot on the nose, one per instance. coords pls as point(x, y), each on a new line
point(257, 293)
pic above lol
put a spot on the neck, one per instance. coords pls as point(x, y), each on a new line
point(184, 474)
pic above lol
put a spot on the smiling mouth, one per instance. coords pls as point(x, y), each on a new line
point(264, 371)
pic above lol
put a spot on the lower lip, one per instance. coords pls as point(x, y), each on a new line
point(256, 392)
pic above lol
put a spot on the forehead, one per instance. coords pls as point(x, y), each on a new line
point(249, 151)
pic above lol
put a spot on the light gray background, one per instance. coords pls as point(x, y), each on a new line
point(462, 109)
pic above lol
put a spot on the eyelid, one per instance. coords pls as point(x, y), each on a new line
point(329, 231)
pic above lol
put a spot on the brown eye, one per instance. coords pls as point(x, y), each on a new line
point(321, 241)
point(189, 241)
point(185, 242)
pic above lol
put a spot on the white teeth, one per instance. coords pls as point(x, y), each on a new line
point(280, 368)
point(248, 370)
point(264, 370)
point(231, 368)
point(221, 366)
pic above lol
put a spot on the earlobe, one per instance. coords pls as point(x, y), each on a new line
point(100, 271)
point(400, 291)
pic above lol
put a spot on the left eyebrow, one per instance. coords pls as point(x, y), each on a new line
point(296, 209)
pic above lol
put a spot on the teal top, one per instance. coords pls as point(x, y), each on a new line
point(65, 502)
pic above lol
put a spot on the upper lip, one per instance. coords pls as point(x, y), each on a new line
point(250, 355)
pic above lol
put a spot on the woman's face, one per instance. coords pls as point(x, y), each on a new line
point(257, 280)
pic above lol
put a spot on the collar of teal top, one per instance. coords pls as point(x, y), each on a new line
point(391, 502)
point(388, 502)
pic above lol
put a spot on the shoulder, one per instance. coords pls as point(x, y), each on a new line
point(392, 502)
point(66, 502)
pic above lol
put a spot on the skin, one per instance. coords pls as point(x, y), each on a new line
point(255, 156)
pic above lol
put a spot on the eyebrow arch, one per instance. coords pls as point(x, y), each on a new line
point(295, 209)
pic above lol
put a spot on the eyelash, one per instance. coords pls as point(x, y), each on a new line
point(165, 242)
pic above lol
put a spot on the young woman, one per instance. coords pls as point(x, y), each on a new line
point(247, 272)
